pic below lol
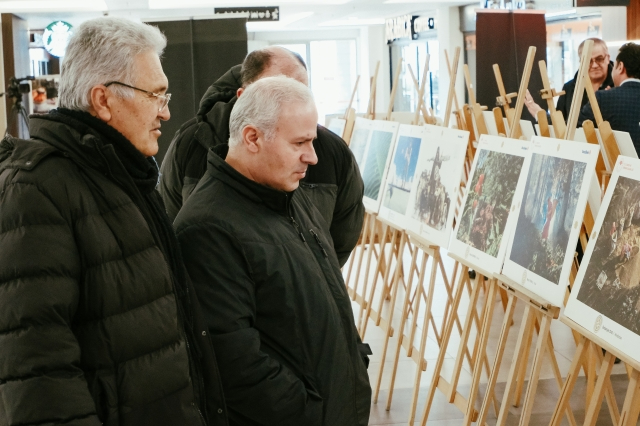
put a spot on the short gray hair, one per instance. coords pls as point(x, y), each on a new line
point(102, 50)
point(596, 41)
point(261, 104)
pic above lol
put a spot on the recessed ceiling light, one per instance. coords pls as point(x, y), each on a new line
point(10, 6)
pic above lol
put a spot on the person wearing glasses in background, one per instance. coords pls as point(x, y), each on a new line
point(600, 69)
point(98, 319)
point(620, 106)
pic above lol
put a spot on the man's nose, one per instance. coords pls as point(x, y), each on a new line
point(309, 156)
point(165, 114)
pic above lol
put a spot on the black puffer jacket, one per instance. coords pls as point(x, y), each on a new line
point(334, 184)
point(275, 302)
point(93, 327)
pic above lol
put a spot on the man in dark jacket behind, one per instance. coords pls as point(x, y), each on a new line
point(260, 256)
point(98, 321)
point(334, 185)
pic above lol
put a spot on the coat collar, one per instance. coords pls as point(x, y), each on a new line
point(276, 200)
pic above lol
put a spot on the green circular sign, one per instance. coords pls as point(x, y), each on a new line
point(56, 37)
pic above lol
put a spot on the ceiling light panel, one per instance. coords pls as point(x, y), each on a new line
point(11, 6)
point(186, 4)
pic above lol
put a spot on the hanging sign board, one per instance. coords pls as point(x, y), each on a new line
point(56, 36)
point(407, 26)
point(254, 14)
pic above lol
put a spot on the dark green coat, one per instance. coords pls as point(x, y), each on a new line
point(90, 332)
point(277, 307)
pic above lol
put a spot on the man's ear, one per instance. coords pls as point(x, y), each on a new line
point(251, 138)
point(100, 105)
point(239, 92)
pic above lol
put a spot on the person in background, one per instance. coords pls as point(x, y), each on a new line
point(600, 68)
point(258, 252)
point(334, 185)
point(620, 106)
point(98, 318)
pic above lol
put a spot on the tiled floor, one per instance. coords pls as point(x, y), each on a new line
point(442, 413)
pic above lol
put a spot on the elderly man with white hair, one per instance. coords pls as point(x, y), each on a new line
point(98, 323)
point(260, 256)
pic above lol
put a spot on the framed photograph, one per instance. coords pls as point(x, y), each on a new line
point(550, 214)
point(359, 139)
point(434, 191)
point(606, 294)
point(377, 157)
point(488, 207)
point(337, 125)
point(402, 171)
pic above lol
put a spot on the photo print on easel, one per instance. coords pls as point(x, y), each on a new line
point(482, 231)
point(359, 139)
point(337, 125)
point(550, 216)
point(607, 287)
point(434, 190)
point(402, 171)
point(377, 157)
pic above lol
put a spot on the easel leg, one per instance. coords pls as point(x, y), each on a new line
point(394, 293)
point(360, 255)
point(569, 383)
point(372, 233)
point(443, 349)
point(423, 338)
point(477, 373)
point(523, 366)
point(403, 320)
point(594, 405)
point(631, 406)
point(416, 308)
point(525, 331)
point(538, 356)
point(558, 375)
point(374, 284)
point(502, 342)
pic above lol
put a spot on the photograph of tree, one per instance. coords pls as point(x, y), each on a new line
point(611, 283)
point(359, 143)
point(433, 195)
point(489, 199)
point(547, 214)
point(401, 173)
point(375, 163)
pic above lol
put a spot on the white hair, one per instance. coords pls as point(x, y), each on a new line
point(103, 50)
point(261, 104)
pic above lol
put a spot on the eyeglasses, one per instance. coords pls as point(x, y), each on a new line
point(163, 100)
point(598, 60)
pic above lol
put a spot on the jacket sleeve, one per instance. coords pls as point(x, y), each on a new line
point(40, 378)
point(348, 215)
point(256, 385)
point(562, 101)
point(586, 113)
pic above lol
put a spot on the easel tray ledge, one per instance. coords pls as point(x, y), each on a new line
point(527, 295)
point(600, 342)
point(486, 274)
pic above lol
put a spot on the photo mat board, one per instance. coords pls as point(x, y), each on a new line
point(487, 216)
point(402, 171)
point(434, 192)
point(550, 213)
point(606, 294)
point(337, 125)
point(377, 157)
point(359, 139)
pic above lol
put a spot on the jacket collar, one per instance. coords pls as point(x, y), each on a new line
point(276, 200)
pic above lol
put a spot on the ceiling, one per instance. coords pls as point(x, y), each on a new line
point(294, 14)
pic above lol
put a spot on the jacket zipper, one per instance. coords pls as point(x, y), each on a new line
point(324, 252)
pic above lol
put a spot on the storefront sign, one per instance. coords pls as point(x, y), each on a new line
point(408, 26)
point(255, 14)
point(56, 37)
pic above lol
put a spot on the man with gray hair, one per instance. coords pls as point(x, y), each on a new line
point(261, 259)
point(98, 319)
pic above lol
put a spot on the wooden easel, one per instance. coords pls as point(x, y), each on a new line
point(476, 109)
point(502, 100)
point(453, 73)
point(515, 132)
point(602, 389)
point(449, 388)
point(548, 93)
point(371, 107)
point(350, 115)
point(428, 118)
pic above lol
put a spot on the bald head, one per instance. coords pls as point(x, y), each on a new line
point(272, 61)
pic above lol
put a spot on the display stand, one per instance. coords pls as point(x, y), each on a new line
point(476, 109)
point(350, 115)
point(371, 107)
point(453, 73)
point(449, 388)
point(548, 93)
point(394, 89)
point(502, 100)
point(514, 122)
point(428, 119)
